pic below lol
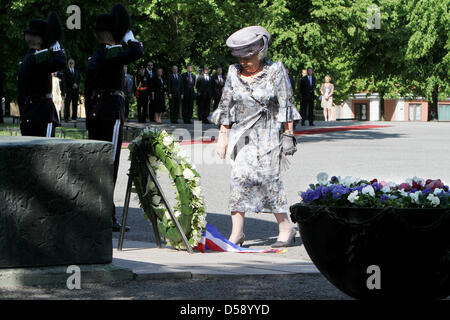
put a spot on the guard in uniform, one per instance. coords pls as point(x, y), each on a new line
point(38, 116)
point(104, 82)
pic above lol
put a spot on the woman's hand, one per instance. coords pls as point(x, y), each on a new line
point(222, 142)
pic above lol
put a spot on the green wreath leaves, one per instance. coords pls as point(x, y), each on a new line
point(164, 153)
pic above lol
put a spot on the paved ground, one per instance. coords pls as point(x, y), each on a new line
point(393, 153)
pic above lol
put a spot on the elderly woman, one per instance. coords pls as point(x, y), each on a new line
point(258, 104)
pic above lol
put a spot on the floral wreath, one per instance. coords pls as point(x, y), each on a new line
point(164, 153)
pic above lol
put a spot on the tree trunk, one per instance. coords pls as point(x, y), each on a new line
point(433, 105)
point(381, 106)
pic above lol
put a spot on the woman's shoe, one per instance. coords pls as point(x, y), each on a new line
point(290, 240)
point(240, 242)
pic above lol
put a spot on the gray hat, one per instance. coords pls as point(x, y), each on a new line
point(248, 41)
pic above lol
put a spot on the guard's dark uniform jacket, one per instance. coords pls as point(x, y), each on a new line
point(104, 95)
point(104, 89)
point(36, 107)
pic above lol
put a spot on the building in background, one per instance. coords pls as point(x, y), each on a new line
point(366, 107)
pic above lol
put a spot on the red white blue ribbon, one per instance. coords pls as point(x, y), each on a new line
point(214, 241)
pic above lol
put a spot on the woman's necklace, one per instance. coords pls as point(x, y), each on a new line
point(248, 74)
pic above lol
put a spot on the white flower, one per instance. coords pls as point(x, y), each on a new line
point(415, 196)
point(437, 191)
point(348, 181)
point(167, 215)
point(322, 178)
point(167, 141)
point(156, 200)
point(386, 189)
point(435, 201)
point(153, 161)
point(352, 197)
point(182, 154)
point(392, 184)
point(188, 174)
point(177, 213)
point(368, 190)
point(197, 191)
point(403, 193)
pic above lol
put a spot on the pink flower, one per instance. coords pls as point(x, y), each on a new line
point(404, 186)
point(383, 183)
point(434, 184)
point(417, 185)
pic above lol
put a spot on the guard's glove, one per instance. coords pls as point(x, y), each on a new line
point(288, 144)
point(55, 47)
point(129, 36)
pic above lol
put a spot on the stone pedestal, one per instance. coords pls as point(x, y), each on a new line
point(56, 200)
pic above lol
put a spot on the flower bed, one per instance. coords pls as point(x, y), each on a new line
point(349, 226)
point(164, 153)
point(354, 192)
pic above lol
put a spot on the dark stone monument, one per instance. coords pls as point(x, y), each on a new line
point(56, 201)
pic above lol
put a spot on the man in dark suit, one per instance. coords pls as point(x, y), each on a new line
point(188, 94)
point(307, 86)
point(291, 80)
point(70, 89)
point(218, 82)
point(175, 89)
point(151, 76)
point(204, 95)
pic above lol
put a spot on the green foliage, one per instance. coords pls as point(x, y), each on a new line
point(408, 54)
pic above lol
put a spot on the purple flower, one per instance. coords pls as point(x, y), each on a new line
point(310, 195)
point(324, 192)
point(338, 191)
point(376, 186)
point(334, 179)
point(384, 197)
point(359, 188)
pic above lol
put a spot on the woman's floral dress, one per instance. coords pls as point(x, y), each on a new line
point(256, 112)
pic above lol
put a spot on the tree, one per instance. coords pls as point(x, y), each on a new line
point(427, 54)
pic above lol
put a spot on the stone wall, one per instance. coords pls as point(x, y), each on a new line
point(56, 201)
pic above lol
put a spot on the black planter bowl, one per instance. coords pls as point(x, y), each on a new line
point(411, 247)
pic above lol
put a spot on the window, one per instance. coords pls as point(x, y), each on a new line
point(415, 112)
point(444, 112)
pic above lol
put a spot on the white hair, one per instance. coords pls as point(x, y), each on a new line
point(262, 54)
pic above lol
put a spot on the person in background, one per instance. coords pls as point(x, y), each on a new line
point(104, 83)
point(304, 74)
point(291, 80)
point(1, 96)
point(218, 82)
point(307, 86)
point(175, 91)
point(158, 96)
point(128, 86)
point(71, 82)
point(142, 83)
point(189, 80)
point(326, 103)
point(38, 116)
point(204, 95)
point(151, 75)
point(56, 94)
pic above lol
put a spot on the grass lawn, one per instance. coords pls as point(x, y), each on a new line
point(66, 133)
